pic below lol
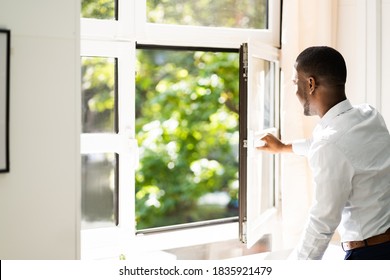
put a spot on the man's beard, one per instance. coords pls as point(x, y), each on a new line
point(306, 105)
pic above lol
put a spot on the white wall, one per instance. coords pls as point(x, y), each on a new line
point(363, 37)
point(385, 66)
point(348, 35)
point(39, 198)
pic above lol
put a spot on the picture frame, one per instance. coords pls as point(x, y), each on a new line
point(5, 37)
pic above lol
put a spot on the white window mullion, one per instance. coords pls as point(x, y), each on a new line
point(128, 159)
point(102, 29)
point(126, 88)
point(100, 143)
point(274, 21)
point(126, 27)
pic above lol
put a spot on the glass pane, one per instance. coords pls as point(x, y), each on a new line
point(99, 9)
point(261, 104)
point(98, 94)
point(99, 187)
point(219, 13)
point(262, 100)
point(187, 129)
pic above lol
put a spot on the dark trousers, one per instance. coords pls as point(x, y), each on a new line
point(375, 252)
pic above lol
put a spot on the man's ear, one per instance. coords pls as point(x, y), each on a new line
point(312, 84)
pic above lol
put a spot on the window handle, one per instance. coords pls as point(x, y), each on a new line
point(131, 145)
point(254, 139)
point(135, 151)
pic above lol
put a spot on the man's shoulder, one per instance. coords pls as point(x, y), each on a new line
point(365, 108)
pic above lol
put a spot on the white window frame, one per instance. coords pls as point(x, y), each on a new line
point(206, 36)
point(117, 38)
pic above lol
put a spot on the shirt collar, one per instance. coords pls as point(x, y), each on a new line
point(335, 111)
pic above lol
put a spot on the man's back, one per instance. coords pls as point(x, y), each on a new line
point(356, 143)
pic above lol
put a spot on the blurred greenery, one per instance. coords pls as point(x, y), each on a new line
point(187, 129)
point(100, 9)
point(98, 94)
point(226, 13)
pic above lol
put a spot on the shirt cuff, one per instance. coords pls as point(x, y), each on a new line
point(301, 147)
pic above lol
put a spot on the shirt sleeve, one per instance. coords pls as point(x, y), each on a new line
point(301, 147)
point(332, 174)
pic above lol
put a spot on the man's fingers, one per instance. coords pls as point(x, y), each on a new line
point(259, 143)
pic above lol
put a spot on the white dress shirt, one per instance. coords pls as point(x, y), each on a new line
point(349, 154)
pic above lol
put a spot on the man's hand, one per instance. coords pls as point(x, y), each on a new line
point(273, 145)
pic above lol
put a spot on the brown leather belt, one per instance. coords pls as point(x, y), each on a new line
point(374, 240)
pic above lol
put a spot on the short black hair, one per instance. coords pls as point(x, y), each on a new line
point(323, 63)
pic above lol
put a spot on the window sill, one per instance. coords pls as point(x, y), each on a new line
point(333, 252)
point(111, 243)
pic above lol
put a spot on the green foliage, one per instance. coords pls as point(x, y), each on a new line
point(98, 88)
point(187, 129)
point(227, 13)
point(100, 9)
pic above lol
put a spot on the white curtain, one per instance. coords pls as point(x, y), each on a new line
point(304, 23)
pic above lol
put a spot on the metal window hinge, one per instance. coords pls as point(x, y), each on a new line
point(244, 235)
point(245, 61)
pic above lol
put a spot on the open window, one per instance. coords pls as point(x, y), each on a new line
point(131, 145)
point(190, 124)
point(258, 99)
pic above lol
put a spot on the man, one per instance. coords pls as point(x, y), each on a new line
point(349, 154)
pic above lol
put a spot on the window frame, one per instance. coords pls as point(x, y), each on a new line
point(118, 39)
point(253, 222)
point(188, 35)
